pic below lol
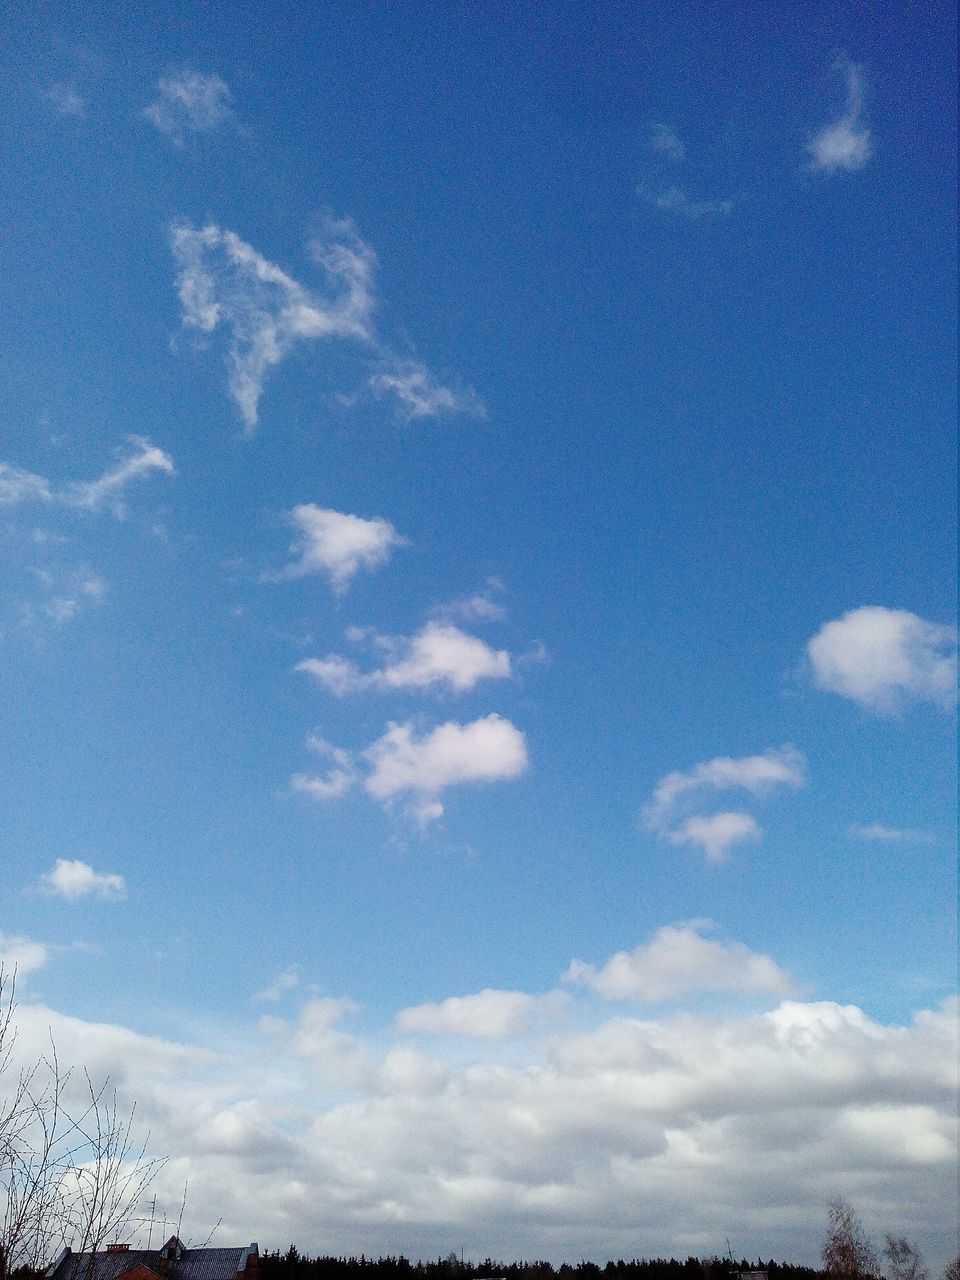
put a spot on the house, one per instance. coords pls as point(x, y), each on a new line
point(172, 1261)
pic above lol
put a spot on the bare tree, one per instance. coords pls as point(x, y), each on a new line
point(846, 1251)
point(952, 1269)
point(904, 1260)
point(66, 1176)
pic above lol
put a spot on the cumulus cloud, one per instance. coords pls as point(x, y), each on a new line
point(72, 879)
point(224, 282)
point(717, 833)
point(487, 1015)
point(400, 764)
point(439, 654)
point(885, 658)
point(680, 959)
point(715, 1125)
point(844, 143)
point(490, 749)
point(668, 812)
point(336, 545)
point(190, 102)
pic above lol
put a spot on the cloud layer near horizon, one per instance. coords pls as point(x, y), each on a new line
point(630, 1136)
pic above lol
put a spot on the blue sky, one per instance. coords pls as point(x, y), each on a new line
point(478, 552)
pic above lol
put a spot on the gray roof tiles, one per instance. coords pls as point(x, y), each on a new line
point(193, 1264)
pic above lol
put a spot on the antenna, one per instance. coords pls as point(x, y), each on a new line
point(183, 1205)
point(153, 1210)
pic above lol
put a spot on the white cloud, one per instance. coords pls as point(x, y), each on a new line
point(336, 544)
point(490, 749)
point(421, 396)
point(340, 1057)
point(876, 832)
point(72, 879)
point(222, 280)
point(845, 142)
point(665, 141)
point(62, 97)
point(66, 594)
point(716, 1125)
point(340, 777)
point(21, 955)
point(669, 811)
point(884, 658)
point(142, 458)
point(480, 607)
point(676, 199)
point(487, 1015)
point(286, 981)
point(680, 959)
point(190, 102)
point(717, 833)
point(437, 654)
point(486, 750)
point(18, 486)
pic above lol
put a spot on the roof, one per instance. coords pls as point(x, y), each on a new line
point(187, 1264)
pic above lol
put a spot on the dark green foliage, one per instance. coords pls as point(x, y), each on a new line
point(293, 1265)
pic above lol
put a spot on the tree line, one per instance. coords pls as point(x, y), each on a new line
point(293, 1265)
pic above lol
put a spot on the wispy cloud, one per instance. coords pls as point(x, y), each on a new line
point(286, 981)
point(336, 545)
point(885, 658)
point(876, 832)
point(190, 102)
point(63, 99)
point(222, 281)
point(401, 764)
point(663, 191)
point(681, 959)
point(677, 199)
point(438, 654)
point(72, 879)
point(66, 593)
point(22, 955)
point(17, 486)
point(480, 607)
point(844, 143)
point(138, 460)
point(669, 815)
point(421, 396)
point(665, 141)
